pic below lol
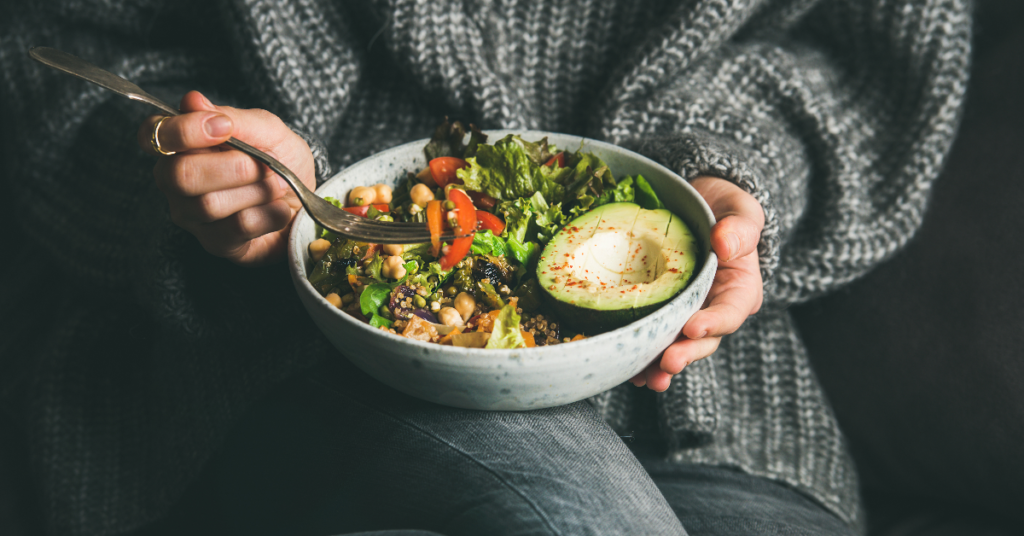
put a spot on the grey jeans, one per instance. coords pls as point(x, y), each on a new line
point(335, 452)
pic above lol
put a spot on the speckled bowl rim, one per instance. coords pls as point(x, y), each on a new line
point(484, 357)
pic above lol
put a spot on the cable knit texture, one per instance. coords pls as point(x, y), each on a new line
point(131, 351)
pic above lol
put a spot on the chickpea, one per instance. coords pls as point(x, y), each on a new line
point(450, 317)
point(465, 304)
point(318, 248)
point(426, 177)
point(393, 268)
point(383, 192)
point(421, 194)
point(360, 196)
point(394, 249)
point(333, 299)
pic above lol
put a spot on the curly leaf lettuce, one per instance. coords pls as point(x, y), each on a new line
point(506, 332)
point(486, 243)
point(548, 219)
point(512, 168)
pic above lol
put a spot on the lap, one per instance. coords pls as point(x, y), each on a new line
point(338, 452)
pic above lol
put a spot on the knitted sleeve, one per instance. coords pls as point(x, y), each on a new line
point(83, 190)
point(147, 347)
point(836, 117)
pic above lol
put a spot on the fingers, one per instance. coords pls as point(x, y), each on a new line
point(736, 293)
point(197, 174)
point(230, 237)
point(195, 130)
point(685, 351)
point(203, 125)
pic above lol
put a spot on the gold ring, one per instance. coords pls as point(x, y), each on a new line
point(156, 141)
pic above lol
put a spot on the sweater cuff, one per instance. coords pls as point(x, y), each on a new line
point(319, 150)
point(696, 155)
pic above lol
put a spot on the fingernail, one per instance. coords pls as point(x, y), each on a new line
point(734, 245)
point(218, 126)
point(206, 100)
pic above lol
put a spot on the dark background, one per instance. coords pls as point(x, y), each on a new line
point(923, 359)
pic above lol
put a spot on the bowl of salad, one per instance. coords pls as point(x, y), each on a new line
point(583, 262)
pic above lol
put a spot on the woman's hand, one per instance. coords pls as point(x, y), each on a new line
point(237, 207)
point(737, 291)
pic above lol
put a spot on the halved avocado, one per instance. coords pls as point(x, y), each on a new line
point(615, 264)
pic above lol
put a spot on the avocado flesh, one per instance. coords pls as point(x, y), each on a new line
point(615, 264)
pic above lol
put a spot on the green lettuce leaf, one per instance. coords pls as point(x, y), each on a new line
point(506, 332)
point(524, 253)
point(511, 168)
point(645, 196)
point(486, 243)
point(373, 269)
point(431, 276)
point(549, 219)
point(373, 297)
point(378, 321)
point(517, 215)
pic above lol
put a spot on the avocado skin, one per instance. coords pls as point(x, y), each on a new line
point(593, 321)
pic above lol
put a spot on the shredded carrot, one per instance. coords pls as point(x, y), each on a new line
point(578, 337)
point(528, 337)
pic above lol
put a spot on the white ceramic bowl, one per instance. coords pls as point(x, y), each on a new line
point(519, 379)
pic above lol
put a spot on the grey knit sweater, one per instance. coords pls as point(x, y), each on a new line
point(127, 351)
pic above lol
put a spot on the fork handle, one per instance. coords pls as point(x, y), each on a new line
point(75, 66)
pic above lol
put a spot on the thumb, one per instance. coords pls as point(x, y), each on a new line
point(735, 236)
point(740, 217)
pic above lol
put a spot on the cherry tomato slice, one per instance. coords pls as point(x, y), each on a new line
point(486, 220)
point(361, 211)
point(560, 158)
point(435, 223)
point(443, 170)
point(466, 220)
point(482, 200)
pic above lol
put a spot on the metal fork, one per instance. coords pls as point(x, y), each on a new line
point(323, 212)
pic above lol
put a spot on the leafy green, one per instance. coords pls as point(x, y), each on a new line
point(525, 253)
point(330, 272)
point(373, 297)
point(517, 215)
point(378, 321)
point(549, 219)
point(511, 168)
point(423, 277)
point(447, 141)
point(486, 243)
point(415, 252)
point(622, 192)
point(373, 269)
point(506, 332)
point(645, 196)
